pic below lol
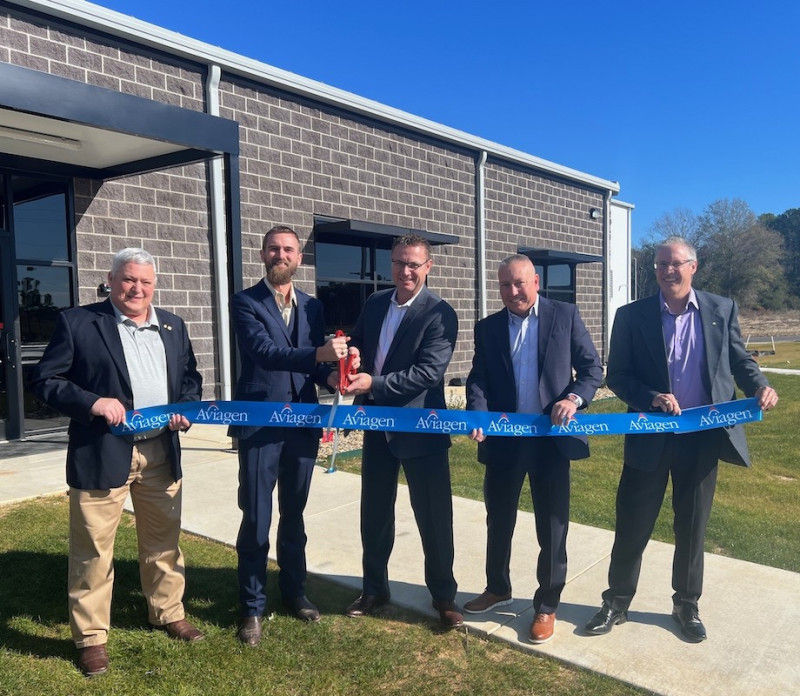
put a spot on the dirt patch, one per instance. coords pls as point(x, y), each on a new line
point(764, 323)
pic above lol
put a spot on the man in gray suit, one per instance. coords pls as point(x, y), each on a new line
point(677, 349)
point(406, 337)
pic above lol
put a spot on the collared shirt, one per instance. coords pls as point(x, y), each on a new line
point(284, 307)
point(391, 323)
point(146, 361)
point(523, 338)
point(685, 344)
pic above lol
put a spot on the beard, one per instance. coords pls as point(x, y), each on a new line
point(280, 273)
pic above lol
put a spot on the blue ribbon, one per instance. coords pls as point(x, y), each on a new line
point(418, 420)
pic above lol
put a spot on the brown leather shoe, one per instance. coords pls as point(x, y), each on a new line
point(543, 627)
point(486, 601)
point(93, 660)
point(449, 614)
point(366, 605)
point(182, 630)
point(249, 631)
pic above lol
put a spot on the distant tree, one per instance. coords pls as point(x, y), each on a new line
point(739, 257)
point(681, 222)
point(787, 224)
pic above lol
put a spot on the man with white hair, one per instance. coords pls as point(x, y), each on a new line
point(105, 359)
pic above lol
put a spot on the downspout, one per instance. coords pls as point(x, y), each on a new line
point(219, 246)
point(607, 244)
point(480, 232)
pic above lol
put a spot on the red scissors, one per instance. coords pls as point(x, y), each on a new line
point(345, 366)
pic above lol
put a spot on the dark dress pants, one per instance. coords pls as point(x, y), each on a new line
point(691, 460)
point(548, 473)
point(431, 500)
point(289, 463)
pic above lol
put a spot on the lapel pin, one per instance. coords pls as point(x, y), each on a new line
point(168, 327)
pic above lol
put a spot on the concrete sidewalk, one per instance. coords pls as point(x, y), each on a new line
point(751, 650)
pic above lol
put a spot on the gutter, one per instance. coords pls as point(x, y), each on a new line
point(219, 246)
point(480, 231)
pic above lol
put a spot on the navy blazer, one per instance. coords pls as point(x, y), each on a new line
point(272, 367)
point(638, 370)
point(83, 362)
point(564, 345)
point(413, 372)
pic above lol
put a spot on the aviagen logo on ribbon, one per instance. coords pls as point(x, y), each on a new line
point(286, 416)
point(643, 424)
point(575, 427)
point(360, 420)
point(213, 413)
point(432, 422)
point(139, 423)
point(503, 426)
point(714, 418)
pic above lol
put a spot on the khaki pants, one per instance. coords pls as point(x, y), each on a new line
point(94, 518)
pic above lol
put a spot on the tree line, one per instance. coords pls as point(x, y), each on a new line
point(754, 260)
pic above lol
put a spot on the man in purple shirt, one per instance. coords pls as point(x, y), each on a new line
point(676, 349)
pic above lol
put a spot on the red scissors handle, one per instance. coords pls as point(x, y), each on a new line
point(345, 367)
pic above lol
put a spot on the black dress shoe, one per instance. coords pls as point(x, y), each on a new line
point(691, 627)
point(366, 605)
point(302, 609)
point(449, 614)
point(249, 631)
point(604, 620)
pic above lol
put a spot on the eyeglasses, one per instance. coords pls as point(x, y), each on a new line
point(674, 265)
point(410, 265)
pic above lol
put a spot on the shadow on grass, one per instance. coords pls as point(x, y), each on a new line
point(34, 590)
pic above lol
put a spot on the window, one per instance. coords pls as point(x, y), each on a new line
point(557, 281)
point(347, 274)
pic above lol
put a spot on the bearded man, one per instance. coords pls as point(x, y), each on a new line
point(280, 332)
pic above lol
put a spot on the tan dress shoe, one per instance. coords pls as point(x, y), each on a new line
point(542, 628)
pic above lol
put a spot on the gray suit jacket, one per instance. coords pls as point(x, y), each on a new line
point(564, 344)
point(637, 369)
point(413, 372)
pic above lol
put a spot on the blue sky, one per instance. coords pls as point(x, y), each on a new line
point(681, 102)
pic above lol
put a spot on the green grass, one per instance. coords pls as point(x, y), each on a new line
point(396, 653)
point(787, 354)
point(756, 513)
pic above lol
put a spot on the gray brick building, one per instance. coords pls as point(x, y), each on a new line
point(114, 133)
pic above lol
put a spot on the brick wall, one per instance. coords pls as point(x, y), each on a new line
point(300, 159)
point(525, 209)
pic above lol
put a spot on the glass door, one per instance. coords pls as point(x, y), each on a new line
point(37, 281)
point(44, 269)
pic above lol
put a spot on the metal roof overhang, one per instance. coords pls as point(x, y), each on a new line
point(555, 256)
point(70, 128)
point(343, 232)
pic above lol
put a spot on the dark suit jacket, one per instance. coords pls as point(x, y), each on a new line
point(273, 369)
point(637, 369)
point(413, 372)
point(84, 362)
point(564, 344)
